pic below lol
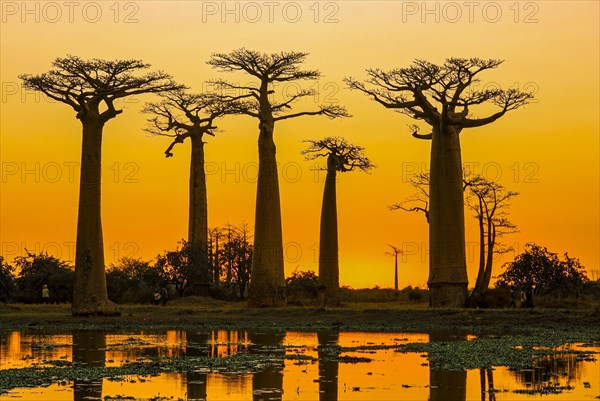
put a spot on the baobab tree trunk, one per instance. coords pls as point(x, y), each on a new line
point(487, 277)
point(396, 272)
point(477, 290)
point(198, 218)
point(329, 271)
point(89, 290)
point(447, 261)
point(267, 284)
point(486, 263)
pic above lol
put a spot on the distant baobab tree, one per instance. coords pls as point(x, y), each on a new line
point(395, 252)
point(416, 91)
point(341, 157)
point(181, 115)
point(86, 85)
point(267, 286)
point(490, 201)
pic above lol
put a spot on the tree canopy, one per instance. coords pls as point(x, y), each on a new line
point(543, 271)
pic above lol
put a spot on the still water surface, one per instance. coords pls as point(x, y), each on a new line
point(320, 371)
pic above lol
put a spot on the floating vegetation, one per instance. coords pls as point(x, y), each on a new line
point(483, 353)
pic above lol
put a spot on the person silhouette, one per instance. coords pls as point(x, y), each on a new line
point(45, 295)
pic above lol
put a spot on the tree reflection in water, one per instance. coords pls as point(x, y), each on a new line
point(328, 365)
point(267, 384)
point(197, 346)
point(447, 385)
point(89, 350)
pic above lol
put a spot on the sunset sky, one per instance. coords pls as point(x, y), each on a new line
point(547, 151)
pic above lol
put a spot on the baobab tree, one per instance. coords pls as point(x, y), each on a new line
point(442, 97)
point(490, 202)
point(341, 157)
point(181, 115)
point(91, 88)
point(395, 252)
point(267, 286)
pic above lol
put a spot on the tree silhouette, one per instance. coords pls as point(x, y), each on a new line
point(416, 91)
point(540, 270)
point(395, 252)
point(86, 85)
point(341, 157)
point(181, 115)
point(419, 202)
point(491, 202)
point(267, 286)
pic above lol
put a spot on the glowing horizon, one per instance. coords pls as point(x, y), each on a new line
point(548, 151)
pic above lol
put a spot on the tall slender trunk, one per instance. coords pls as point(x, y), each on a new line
point(396, 272)
point(329, 270)
point(267, 285)
point(89, 289)
point(478, 289)
point(487, 277)
point(198, 218)
point(447, 260)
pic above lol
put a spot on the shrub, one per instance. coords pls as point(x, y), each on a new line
point(132, 281)
point(35, 271)
point(301, 287)
point(7, 281)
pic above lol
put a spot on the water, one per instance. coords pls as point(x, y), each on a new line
point(279, 366)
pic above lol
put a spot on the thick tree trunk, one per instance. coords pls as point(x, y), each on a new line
point(329, 271)
point(198, 219)
point(447, 261)
point(89, 290)
point(267, 285)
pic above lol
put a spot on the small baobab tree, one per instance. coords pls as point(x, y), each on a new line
point(442, 96)
point(395, 252)
point(267, 286)
point(181, 115)
point(490, 202)
point(341, 157)
point(91, 88)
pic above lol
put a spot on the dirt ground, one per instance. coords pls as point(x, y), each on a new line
point(194, 312)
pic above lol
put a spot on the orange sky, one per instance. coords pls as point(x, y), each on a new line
point(549, 151)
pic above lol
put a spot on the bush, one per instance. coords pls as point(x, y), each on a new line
point(302, 287)
point(35, 271)
point(376, 294)
point(132, 281)
point(7, 281)
point(541, 270)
